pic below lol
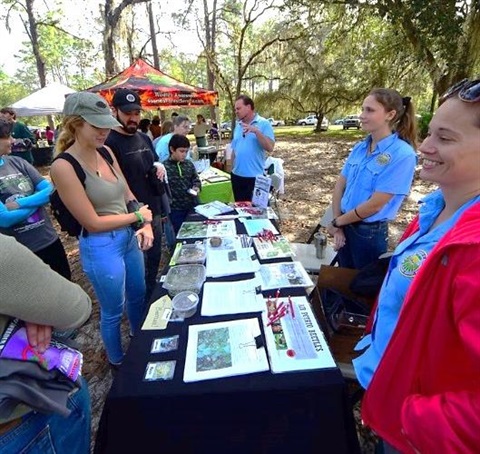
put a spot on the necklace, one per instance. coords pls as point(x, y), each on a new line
point(93, 168)
point(99, 174)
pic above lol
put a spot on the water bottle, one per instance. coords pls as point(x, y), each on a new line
point(320, 245)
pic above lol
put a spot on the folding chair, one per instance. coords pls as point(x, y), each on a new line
point(342, 341)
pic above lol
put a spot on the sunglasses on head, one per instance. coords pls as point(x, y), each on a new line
point(467, 90)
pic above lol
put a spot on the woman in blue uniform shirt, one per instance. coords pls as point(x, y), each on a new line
point(375, 179)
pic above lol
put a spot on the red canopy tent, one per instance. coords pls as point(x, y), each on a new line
point(156, 89)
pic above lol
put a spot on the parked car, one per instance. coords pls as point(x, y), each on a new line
point(351, 121)
point(274, 122)
point(338, 122)
point(310, 120)
point(313, 120)
point(325, 124)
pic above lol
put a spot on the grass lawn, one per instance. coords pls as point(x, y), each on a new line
point(334, 132)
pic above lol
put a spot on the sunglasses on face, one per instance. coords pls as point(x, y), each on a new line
point(467, 90)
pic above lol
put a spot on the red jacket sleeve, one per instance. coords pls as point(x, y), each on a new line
point(452, 419)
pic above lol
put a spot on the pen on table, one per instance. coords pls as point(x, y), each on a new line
point(277, 295)
point(292, 310)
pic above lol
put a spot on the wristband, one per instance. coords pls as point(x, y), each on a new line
point(139, 217)
point(358, 216)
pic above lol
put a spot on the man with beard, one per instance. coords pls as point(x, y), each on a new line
point(137, 160)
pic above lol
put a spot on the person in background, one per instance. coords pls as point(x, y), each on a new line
point(200, 131)
point(110, 249)
point(252, 138)
point(137, 159)
point(174, 114)
point(155, 128)
point(375, 179)
point(167, 128)
point(181, 125)
point(23, 196)
point(183, 179)
point(144, 127)
point(57, 132)
point(421, 367)
point(43, 300)
point(24, 139)
point(49, 135)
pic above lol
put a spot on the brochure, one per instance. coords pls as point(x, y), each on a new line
point(209, 210)
point(159, 314)
point(229, 262)
point(206, 229)
point(229, 243)
point(283, 275)
point(256, 213)
point(160, 371)
point(279, 247)
point(220, 298)
point(261, 191)
point(257, 226)
point(294, 341)
point(224, 349)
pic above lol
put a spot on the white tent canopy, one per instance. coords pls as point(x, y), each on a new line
point(46, 101)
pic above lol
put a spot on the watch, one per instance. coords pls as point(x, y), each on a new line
point(334, 223)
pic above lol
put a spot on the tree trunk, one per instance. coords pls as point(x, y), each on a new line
point(111, 17)
point(210, 25)
point(31, 29)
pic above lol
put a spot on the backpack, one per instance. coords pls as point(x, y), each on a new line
point(60, 212)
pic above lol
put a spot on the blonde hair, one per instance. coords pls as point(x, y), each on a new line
point(66, 138)
point(404, 122)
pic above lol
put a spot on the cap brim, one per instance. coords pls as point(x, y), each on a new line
point(130, 107)
point(101, 121)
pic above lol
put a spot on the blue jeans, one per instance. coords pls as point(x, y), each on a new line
point(40, 433)
point(363, 245)
point(178, 218)
point(170, 236)
point(152, 258)
point(115, 266)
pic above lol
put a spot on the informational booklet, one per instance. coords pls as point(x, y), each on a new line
point(206, 229)
point(224, 349)
point(279, 247)
point(230, 262)
point(283, 275)
point(211, 209)
point(261, 191)
point(220, 298)
point(14, 345)
point(256, 212)
point(294, 340)
point(257, 226)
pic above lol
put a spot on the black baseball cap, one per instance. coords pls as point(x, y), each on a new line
point(126, 100)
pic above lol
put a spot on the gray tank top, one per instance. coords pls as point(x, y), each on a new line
point(106, 197)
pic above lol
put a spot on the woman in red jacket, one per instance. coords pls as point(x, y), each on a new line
point(423, 384)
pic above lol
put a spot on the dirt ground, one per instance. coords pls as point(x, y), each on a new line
point(311, 167)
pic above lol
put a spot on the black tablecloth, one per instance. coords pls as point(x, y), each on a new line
point(259, 413)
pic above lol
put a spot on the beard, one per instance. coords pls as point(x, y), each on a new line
point(130, 127)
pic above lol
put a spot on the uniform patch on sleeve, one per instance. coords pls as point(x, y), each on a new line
point(411, 264)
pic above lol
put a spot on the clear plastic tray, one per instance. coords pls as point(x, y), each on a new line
point(185, 303)
point(192, 253)
point(181, 278)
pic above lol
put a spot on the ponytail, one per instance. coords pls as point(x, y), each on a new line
point(404, 122)
point(67, 134)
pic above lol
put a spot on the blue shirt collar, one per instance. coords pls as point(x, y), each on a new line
point(383, 144)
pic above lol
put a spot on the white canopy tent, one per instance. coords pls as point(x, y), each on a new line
point(46, 101)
